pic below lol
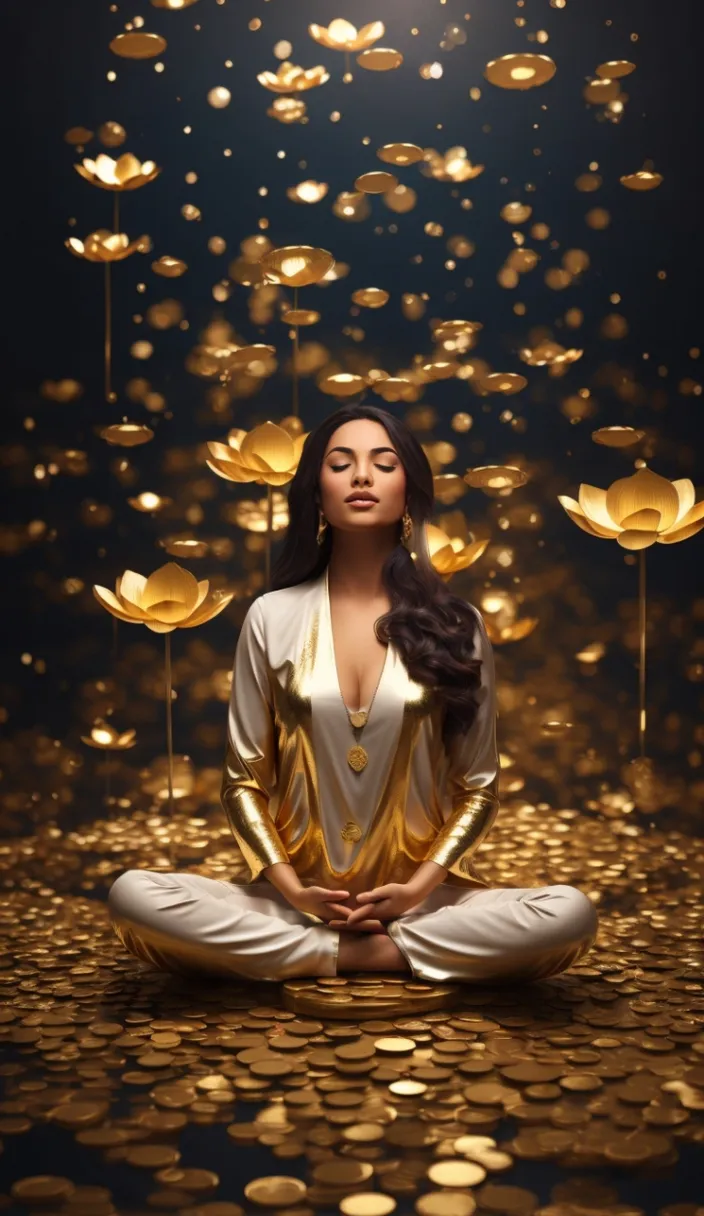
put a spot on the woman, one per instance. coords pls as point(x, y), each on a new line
point(362, 770)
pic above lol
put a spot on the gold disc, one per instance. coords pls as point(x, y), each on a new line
point(357, 758)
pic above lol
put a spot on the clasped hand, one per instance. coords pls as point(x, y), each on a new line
point(376, 907)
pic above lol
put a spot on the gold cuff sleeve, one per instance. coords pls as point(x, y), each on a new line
point(470, 821)
point(247, 812)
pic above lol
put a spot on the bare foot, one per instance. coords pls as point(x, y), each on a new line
point(369, 952)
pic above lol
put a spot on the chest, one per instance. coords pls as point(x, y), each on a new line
point(359, 656)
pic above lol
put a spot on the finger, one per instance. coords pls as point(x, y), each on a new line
point(340, 910)
point(334, 894)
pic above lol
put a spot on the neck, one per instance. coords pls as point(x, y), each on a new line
point(356, 562)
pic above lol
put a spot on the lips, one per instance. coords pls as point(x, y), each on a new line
point(361, 498)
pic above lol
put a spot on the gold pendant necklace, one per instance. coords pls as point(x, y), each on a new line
point(357, 756)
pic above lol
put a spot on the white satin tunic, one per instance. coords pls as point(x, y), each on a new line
point(288, 790)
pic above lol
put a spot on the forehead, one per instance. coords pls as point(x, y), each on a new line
point(360, 434)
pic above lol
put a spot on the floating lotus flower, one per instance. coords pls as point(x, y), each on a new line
point(522, 71)
point(452, 166)
point(396, 388)
point(149, 503)
point(168, 267)
point(341, 35)
point(297, 265)
point(380, 59)
point(504, 382)
point(105, 246)
point(125, 173)
point(267, 454)
point(496, 479)
point(170, 598)
point(449, 554)
point(289, 78)
point(127, 434)
point(185, 547)
point(617, 436)
point(252, 515)
point(106, 738)
point(550, 354)
point(642, 180)
point(378, 181)
point(500, 612)
point(638, 511)
point(287, 109)
point(342, 384)
point(370, 297)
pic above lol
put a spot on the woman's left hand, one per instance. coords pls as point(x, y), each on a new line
point(386, 903)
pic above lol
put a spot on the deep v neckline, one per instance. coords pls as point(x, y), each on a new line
point(331, 642)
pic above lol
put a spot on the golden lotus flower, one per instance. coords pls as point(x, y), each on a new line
point(396, 388)
point(62, 391)
point(148, 502)
point(267, 454)
point(496, 478)
point(252, 515)
point(289, 78)
point(297, 265)
point(449, 554)
point(168, 267)
point(300, 316)
point(522, 71)
point(550, 354)
point(341, 35)
point(504, 382)
point(500, 610)
point(171, 598)
point(287, 109)
point(370, 297)
point(127, 434)
point(125, 173)
point(105, 246)
point(451, 166)
point(106, 738)
point(185, 546)
point(617, 436)
point(644, 179)
point(342, 384)
point(638, 511)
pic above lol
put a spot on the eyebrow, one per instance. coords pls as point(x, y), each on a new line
point(372, 451)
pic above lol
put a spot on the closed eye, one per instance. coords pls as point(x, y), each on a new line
point(337, 468)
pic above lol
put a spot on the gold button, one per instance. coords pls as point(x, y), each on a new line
point(351, 831)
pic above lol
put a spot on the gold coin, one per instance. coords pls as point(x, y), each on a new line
point(364, 1132)
point(138, 45)
point(338, 1172)
point(275, 1191)
point(152, 1156)
point(395, 1045)
point(628, 1149)
point(445, 1203)
point(42, 1188)
point(80, 1114)
point(189, 1178)
point(367, 1203)
point(407, 1088)
point(375, 182)
point(456, 1173)
point(270, 1068)
point(508, 1199)
point(361, 1049)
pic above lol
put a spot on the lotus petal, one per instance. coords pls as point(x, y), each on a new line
point(160, 627)
point(208, 609)
point(113, 605)
point(126, 167)
point(636, 540)
point(229, 471)
point(647, 520)
point(686, 495)
point(689, 525)
point(643, 489)
point(578, 517)
point(269, 446)
point(129, 588)
point(592, 500)
point(105, 169)
point(171, 594)
point(371, 33)
point(223, 452)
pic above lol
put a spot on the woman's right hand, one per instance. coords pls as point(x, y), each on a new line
point(322, 902)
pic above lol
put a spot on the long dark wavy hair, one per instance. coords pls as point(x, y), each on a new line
point(432, 629)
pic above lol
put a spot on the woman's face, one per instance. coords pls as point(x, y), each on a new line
point(370, 464)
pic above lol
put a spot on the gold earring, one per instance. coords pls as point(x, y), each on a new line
point(407, 528)
point(322, 528)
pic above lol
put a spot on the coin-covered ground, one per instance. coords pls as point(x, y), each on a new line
point(127, 1090)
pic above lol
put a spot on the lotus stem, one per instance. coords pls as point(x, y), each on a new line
point(108, 334)
point(116, 212)
point(169, 728)
point(294, 370)
point(642, 636)
point(269, 533)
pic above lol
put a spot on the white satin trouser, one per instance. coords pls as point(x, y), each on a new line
point(187, 922)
